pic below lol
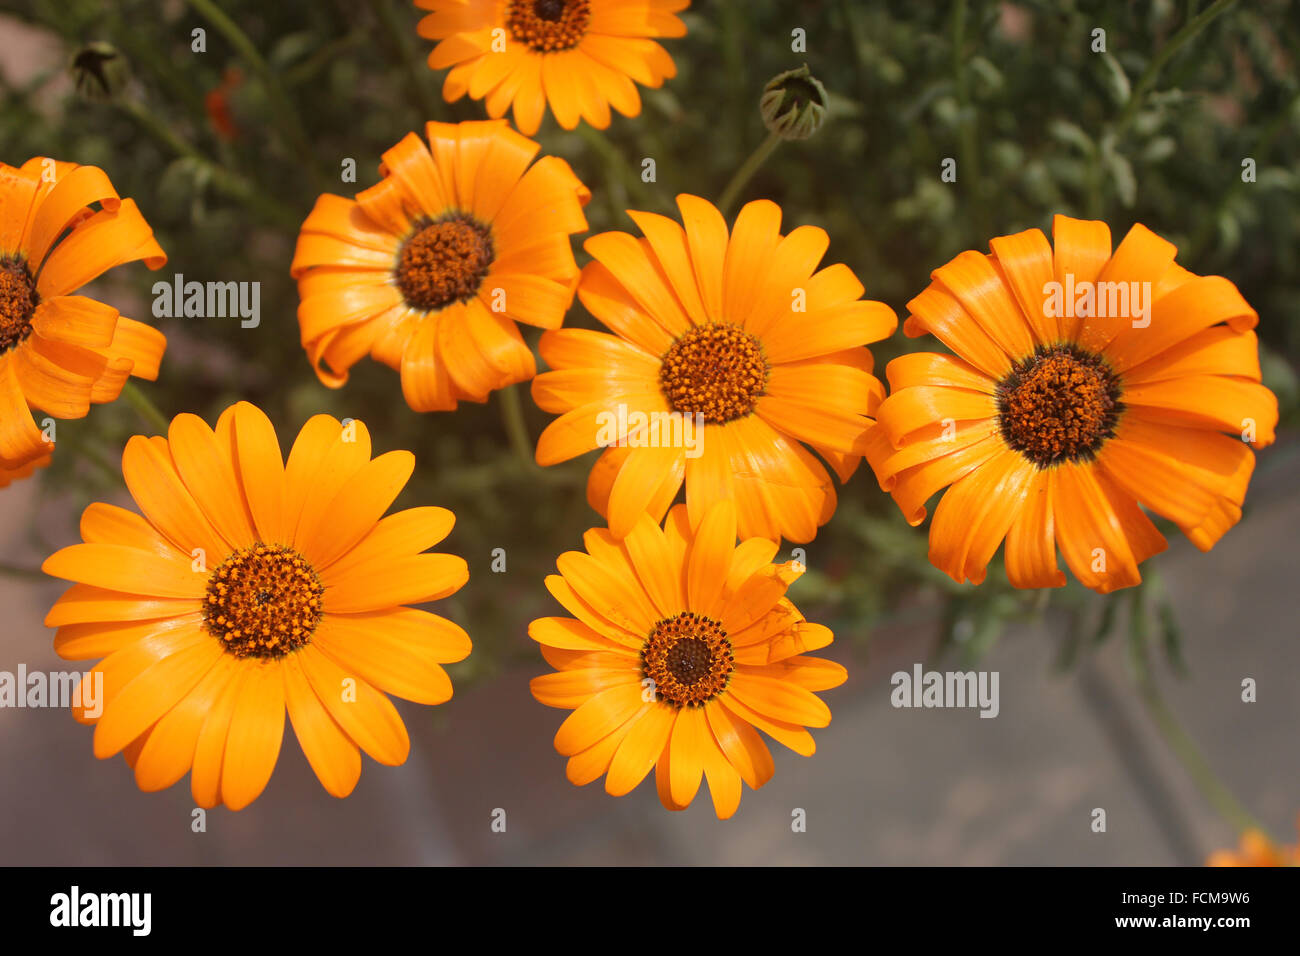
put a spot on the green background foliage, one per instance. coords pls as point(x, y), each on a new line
point(1038, 122)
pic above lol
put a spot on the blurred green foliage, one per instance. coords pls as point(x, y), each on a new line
point(1038, 122)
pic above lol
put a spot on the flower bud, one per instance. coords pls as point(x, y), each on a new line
point(794, 104)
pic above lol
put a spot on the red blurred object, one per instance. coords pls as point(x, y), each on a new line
point(217, 103)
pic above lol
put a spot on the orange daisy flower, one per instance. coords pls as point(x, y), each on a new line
point(62, 226)
point(682, 646)
point(1084, 384)
point(249, 587)
point(1256, 849)
point(735, 344)
point(429, 269)
point(579, 56)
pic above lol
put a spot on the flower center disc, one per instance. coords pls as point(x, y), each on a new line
point(716, 370)
point(689, 659)
point(1060, 404)
point(444, 262)
point(263, 601)
point(548, 26)
point(18, 301)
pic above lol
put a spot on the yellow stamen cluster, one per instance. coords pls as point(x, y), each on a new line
point(263, 601)
point(689, 658)
point(18, 301)
point(548, 26)
point(1060, 404)
point(444, 262)
point(717, 370)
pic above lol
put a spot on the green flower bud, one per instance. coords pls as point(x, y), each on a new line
point(794, 104)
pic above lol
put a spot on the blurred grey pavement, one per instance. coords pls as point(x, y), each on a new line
point(887, 786)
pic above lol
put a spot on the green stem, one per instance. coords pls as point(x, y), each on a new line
point(425, 101)
point(93, 454)
point(1178, 740)
point(615, 162)
point(232, 184)
point(287, 117)
point(512, 417)
point(968, 138)
point(746, 171)
point(1176, 43)
point(146, 409)
point(1193, 761)
point(308, 68)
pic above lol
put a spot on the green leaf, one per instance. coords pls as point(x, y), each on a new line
point(1116, 80)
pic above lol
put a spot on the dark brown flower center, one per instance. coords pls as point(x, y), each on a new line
point(263, 601)
point(548, 26)
point(716, 370)
point(1060, 404)
point(689, 659)
point(18, 300)
point(444, 262)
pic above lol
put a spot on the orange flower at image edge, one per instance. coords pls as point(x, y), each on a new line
point(579, 56)
point(250, 587)
point(1085, 383)
point(682, 646)
point(61, 353)
point(1256, 849)
point(428, 270)
point(739, 333)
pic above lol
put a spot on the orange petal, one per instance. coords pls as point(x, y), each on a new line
point(151, 694)
point(741, 744)
point(392, 659)
point(1092, 538)
point(709, 560)
point(686, 749)
point(162, 496)
point(121, 568)
point(1031, 539)
point(168, 754)
point(639, 749)
point(975, 514)
point(106, 239)
point(333, 756)
point(1025, 260)
point(599, 716)
point(364, 714)
point(256, 733)
point(937, 312)
point(210, 478)
point(1082, 248)
point(706, 235)
point(412, 579)
point(974, 282)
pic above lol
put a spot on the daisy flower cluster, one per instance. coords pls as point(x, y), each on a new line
point(726, 390)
